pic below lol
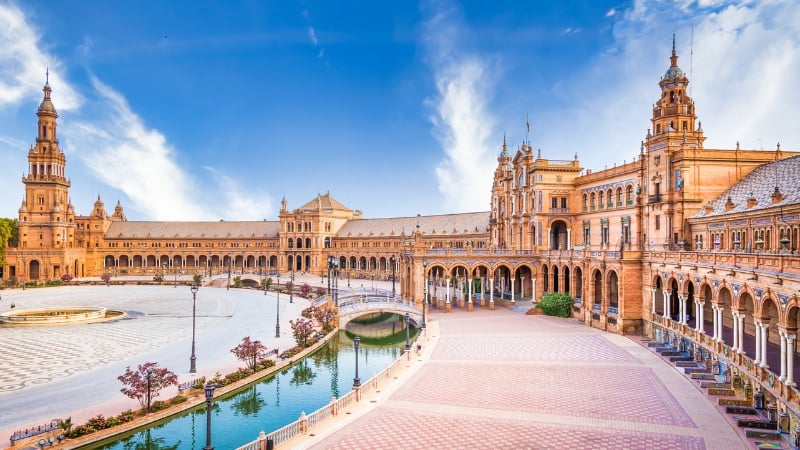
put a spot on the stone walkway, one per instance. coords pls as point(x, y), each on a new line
point(503, 380)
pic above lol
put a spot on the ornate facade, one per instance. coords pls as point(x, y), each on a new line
point(683, 241)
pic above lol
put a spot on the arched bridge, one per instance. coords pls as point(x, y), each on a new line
point(354, 306)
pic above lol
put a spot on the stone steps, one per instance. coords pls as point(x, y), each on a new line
point(682, 358)
point(760, 424)
point(741, 410)
point(715, 385)
point(698, 370)
point(687, 363)
point(721, 392)
point(701, 375)
point(734, 402)
point(774, 435)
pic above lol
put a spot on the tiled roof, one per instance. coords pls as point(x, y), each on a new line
point(760, 184)
point(446, 224)
point(192, 230)
point(324, 202)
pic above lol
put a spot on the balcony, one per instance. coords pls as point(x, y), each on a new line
point(654, 198)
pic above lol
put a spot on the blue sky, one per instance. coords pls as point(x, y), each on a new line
point(210, 110)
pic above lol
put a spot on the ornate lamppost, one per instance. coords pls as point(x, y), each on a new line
point(230, 263)
point(392, 260)
point(330, 266)
point(356, 380)
point(408, 323)
point(193, 358)
point(209, 398)
point(425, 293)
point(278, 310)
point(255, 353)
point(266, 276)
point(149, 391)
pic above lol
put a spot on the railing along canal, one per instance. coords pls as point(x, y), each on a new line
point(306, 422)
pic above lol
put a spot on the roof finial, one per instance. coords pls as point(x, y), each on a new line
point(47, 75)
point(674, 58)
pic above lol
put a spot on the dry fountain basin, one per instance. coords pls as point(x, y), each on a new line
point(58, 316)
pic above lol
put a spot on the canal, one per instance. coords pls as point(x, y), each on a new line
point(278, 400)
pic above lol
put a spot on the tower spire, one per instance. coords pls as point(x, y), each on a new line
point(674, 58)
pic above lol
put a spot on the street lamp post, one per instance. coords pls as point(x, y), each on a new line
point(230, 262)
point(291, 290)
point(209, 397)
point(278, 311)
point(392, 260)
point(208, 263)
point(193, 358)
point(425, 293)
point(330, 266)
point(356, 380)
point(266, 277)
point(336, 283)
point(408, 323)
point(149, 375)
point(255, 353)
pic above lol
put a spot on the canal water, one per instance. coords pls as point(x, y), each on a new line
point(306, 386)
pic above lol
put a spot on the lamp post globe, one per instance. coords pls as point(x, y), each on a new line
point(193, 358)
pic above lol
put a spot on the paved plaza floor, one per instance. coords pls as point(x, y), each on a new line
point(61, 371)
point(504, 380)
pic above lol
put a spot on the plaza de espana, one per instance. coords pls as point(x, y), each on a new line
point(683, 243)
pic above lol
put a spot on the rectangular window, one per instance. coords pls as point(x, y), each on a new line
point(658, 222)
point(564, 202)
point(554, 203)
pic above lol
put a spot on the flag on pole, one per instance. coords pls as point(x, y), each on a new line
point(527, 124)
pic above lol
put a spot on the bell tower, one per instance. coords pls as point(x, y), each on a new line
point(46, 218)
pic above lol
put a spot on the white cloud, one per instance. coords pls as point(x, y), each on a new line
point(123, 153)
point(742, 77)
point(241, 203)
point(23, 62)
point(462, 121)
point(611, 12)
point(313, 36)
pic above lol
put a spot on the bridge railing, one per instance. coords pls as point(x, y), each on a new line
point(304, 424)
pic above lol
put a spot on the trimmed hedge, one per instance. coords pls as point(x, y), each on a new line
point(556, 304)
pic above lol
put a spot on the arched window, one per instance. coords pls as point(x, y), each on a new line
point(585, 202)
point(619, 196)
point(594, 201)
point(629, 195)
point(610, 203)
point(602, 199)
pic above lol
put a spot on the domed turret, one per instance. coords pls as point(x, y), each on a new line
point(23, 208)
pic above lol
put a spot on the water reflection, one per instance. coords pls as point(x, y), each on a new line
point(304, 387)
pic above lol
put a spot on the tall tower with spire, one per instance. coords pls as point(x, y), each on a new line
point(46, 216)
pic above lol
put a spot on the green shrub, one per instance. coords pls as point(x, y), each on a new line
point(178, 399)
point(556, 304)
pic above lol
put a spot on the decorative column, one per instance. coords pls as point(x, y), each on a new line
point(719, 323)
point(714, 321)
point(790, 359)
point(654, 302)
point(665, 294)
point(512, 290)
point(764, 339)
point(682, 307)
point(782, 335)
point(701, 315)
point(735, 345)
point(491, 293)
point(740, 348)
point(569, 239)
point(469, 291)
point(757, 333)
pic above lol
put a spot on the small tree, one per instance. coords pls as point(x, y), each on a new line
point(267, 281)
point(158, 279)
point(66, 278)
point(305, 289)
point(146, 381)
point(249, 352)
point(320, 291)
point(289, 285)
point(106, 277)
point(197, 279)
point(237, 281)
point(301, 329)
point(325, 316)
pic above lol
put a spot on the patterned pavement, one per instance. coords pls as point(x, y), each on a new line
point(501, 379)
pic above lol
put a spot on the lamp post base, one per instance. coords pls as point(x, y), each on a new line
point(277, 331)
point(193, 364)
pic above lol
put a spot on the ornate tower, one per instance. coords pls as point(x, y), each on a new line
point(46, 217)
point(676, 136)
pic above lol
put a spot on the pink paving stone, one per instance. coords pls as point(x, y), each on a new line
point(631, 394)
point(528, 348)
point(389, 428)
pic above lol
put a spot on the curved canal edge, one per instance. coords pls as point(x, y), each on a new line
point(341, 412)
point(197, 399)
